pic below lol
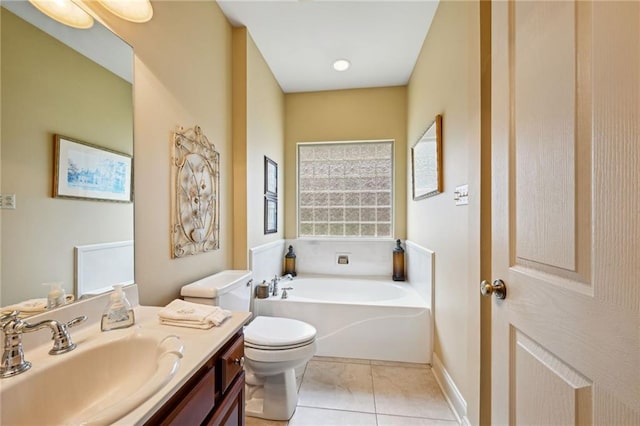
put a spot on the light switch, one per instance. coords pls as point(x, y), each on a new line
point(461, 195)
point(8, 201)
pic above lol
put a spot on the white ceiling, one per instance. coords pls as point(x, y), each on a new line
point(300, 39)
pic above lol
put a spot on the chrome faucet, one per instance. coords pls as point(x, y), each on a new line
point(276, 279)
point(12, 327)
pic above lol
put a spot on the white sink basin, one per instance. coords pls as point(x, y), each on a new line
point(103, 379)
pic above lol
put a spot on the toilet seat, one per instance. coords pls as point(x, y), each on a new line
point(261, 360)
point(278, 348)
point(273, 333)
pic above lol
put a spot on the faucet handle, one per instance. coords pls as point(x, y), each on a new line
point(62, 339)
point(8, 317)
point(76, 321)
point(284, 292)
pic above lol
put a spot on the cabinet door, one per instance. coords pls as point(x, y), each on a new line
point(230, 411)
point(195, 406)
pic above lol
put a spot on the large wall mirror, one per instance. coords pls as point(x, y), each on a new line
point(426, 162)
point(49, 88)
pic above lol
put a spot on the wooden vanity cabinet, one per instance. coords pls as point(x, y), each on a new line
point(214, 395)
point(230, 411)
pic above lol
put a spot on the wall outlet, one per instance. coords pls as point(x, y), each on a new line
point(461, 195)
point(8, 201)
point(342, 258)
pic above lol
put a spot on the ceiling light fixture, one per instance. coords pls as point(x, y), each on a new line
point(64, 11)
point(341, 65)
point(137, 11)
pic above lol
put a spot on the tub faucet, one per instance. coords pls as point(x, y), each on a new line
point(12, 327)
point(276, 279)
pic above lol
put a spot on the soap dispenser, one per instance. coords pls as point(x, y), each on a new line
point(118, 313)
point(56, 296)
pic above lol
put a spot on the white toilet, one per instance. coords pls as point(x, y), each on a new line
point(273, 347)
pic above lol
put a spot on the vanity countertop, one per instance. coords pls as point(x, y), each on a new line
point(199, 346)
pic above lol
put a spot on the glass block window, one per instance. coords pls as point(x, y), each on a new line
point(345, 189)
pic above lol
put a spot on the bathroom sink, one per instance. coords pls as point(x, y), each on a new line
point(97, 383)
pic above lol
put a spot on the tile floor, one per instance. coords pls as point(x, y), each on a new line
point(341, 392)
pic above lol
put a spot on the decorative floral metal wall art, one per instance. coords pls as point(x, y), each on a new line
point(195, 211)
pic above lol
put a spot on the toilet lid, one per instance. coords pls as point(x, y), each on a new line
point(273, 332)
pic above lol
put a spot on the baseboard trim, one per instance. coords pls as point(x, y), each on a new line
point(450, 390)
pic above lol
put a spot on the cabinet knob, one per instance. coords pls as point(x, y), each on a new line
point(239, 361)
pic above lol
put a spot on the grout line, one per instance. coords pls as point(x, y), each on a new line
point(358, 361)
point(336, 409)
point(454, 422)
point(373, 391)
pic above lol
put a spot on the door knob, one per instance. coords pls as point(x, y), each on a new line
point(498, 288)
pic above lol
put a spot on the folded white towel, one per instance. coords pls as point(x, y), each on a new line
point(31, 306)
point(190, 324)
point(194, 315)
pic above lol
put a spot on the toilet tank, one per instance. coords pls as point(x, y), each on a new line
point(229, 289)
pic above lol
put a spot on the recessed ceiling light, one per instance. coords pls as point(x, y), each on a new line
point(341, 65)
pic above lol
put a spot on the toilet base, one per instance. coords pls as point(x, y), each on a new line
point(272, 397)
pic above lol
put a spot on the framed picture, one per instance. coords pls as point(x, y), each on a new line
point(89, 172)
point(270, 215)
point(426, 162)
point(270, 177)
point(270, 196)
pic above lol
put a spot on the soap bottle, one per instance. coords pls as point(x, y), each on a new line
point(56, 296)
point(118, 313)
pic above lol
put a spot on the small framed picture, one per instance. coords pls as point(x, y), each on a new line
point(89, 172)
point(270, 177)
point(270, 215)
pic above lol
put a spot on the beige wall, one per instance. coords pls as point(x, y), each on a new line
point(258, 125)
point(239, 135)
point(446, 80)
point(48, 88)
point(265, 136)
point(182, 77)
point(346, 115)
point(1, 286)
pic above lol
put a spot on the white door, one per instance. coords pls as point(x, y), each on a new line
point(566, 212)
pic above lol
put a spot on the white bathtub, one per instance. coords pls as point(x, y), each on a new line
point(372, 318)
